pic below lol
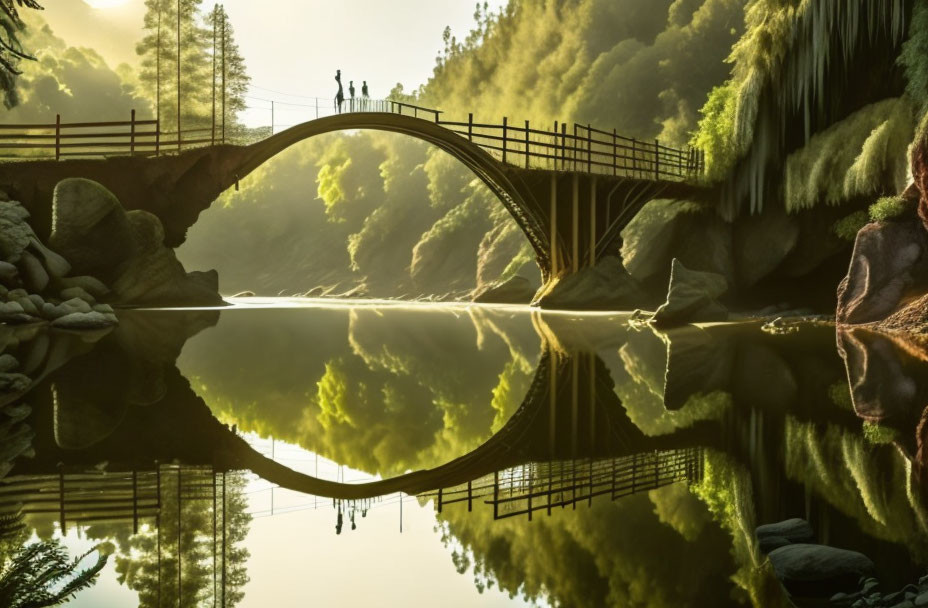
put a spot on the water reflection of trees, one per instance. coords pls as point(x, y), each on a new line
point(383, 391)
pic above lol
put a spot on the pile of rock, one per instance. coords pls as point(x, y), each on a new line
point(845, 578)
point(94, 243)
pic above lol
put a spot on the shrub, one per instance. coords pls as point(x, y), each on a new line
point(888, 208)
point(847, 227)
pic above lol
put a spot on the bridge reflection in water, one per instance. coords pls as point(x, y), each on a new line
point(144, 452)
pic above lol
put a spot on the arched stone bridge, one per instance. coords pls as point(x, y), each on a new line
point(570, 193)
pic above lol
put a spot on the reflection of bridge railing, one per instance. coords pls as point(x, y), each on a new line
point(578, 148)
point(84, 498)
point(533, 487)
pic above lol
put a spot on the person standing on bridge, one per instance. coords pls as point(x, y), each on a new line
point(340, 95)
point(365, 97)
point(351, 92)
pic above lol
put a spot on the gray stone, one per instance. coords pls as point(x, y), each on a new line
point(649, 239)
point(691, 297)
point(8, 272)
point(29, 307)
point(89, 284)
point(921, 599)
point(517, 290)
point(11, 308)
point(881, 270)
point(8, 363)
point(904, 604)
point(84, 320)
point(817, 570)
point(56, 265)
point(90, 228)
point(34, 275)
point(77, 292)
point(795, 530)
point(606, 286)
point(17, 412)
point(156, 277)
point(72, 306)
point(103, 308)
point(15, 232)
point(14, 383)
point(15, 294)
point(769, 543)
point(760, 242)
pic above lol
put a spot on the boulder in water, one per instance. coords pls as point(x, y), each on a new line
point(691, 297)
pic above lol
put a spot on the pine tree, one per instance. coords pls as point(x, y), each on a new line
point(231, 73)
point(159, 73)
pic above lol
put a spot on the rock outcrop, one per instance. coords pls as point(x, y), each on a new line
point(888, 257)
point(102, 245)
point(125, 250)
point(517, 290)
point(887, 282)
point(691, 297)
point(606, 286)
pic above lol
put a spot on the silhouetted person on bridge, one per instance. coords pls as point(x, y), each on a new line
point(340, 96)
point(365, 97)
point(351, 92)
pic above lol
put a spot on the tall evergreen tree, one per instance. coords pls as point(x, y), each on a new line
point(231, 74)
point(159, 52)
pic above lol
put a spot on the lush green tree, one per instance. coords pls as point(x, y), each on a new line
point(154, 575)
point(42, 574)
point(230, 76)
point(213, 75)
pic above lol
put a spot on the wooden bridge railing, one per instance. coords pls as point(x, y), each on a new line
point(525, 489)
point(577, 148)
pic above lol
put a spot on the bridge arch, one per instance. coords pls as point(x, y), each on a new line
point(509, 186)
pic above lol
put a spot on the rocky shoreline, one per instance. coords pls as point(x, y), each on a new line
point(98, 256)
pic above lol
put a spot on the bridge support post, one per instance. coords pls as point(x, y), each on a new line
point(592, 221)
point(575, 224)
point(553, 216)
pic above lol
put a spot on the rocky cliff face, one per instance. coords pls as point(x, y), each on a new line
point(887, 282)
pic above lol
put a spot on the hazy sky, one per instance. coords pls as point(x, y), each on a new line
point(295, 46)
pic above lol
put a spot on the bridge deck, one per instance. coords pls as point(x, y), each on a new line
point(574, 148)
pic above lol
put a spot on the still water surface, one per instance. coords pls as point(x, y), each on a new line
point(287, 452)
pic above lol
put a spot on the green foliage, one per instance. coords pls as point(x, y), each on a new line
point(786, 64)
point(715, 134)
point(381, 390)
point(40, 574)
point(878, 434)
point(914, 57)
point(11, 48)
point(888, 208)
point(863, 155)
point(840, 395)
point(847, 227)
point(865, 481)
point(201, 70)
point(642, 66)
point(150, 568)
